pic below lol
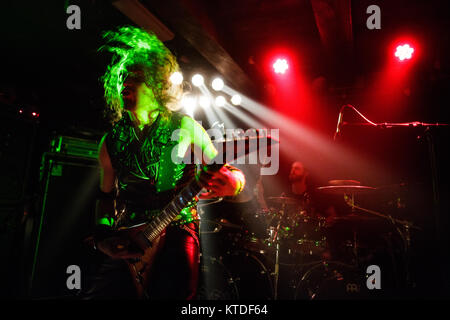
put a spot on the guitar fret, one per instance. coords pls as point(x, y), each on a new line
point(187, 194)
point(178, 206)
point(176, 209)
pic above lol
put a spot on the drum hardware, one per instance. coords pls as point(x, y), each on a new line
point(284, 200)
point(329, 280)
point(219, 225)
point(206, 202)
point(275, 239)
point(238, 274)
point(299, 235)
point(405, 234)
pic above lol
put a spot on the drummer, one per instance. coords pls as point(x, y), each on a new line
point(300, 198)
point(299, 187)
point(298, 178)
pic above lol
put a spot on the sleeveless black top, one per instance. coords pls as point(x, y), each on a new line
point(147, 178)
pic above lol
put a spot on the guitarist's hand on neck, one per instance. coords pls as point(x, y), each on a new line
point(222, 183)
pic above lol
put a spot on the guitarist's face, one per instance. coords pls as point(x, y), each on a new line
point(137, 95)
point(129, 92)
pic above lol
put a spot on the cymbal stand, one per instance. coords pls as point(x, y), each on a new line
point(351, 202)
point(275, 238)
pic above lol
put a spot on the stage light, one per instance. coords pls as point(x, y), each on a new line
point(236, 99)
point(189, 104)
point(204, 102)
point(176, 78)
point(197, 80)
point(220, 101)
point(404, 52)
point(217, 84)
point(280, 66)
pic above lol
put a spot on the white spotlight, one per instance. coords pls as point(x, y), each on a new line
point(189, 105)
point(176, 78)
point(236, 99)
point(204, 102)
point(217, 84)
point(197, 80)
point(220, 101)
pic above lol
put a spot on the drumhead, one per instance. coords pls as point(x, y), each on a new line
point(332, 281)
point(238, 275)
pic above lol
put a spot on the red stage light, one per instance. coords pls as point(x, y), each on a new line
point(404, 52)
point(280, 66)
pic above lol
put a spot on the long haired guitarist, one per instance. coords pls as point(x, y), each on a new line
point(140, 181)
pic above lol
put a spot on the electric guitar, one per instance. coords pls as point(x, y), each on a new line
point(146, 236)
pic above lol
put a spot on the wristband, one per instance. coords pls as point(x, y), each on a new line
point(241, 183)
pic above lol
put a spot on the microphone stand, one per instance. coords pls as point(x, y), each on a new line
point(433, 166)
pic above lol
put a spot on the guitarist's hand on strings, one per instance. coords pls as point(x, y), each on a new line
point(224, 182)
point(118, 248)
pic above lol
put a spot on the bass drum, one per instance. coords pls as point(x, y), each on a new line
point(238, 275)
point(332, 281)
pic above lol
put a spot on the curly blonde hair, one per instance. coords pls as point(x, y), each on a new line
point(141, 55)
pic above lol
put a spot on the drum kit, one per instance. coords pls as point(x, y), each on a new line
point(292, 252)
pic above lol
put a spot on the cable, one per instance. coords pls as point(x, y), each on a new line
point(362, 116)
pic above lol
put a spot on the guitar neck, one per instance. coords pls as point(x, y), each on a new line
point(168, 214)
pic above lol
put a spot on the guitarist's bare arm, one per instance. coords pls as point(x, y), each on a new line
point(228, 181)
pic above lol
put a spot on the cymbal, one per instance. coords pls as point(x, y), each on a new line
point(348, 189)
point(344, 183)
point(284, 200)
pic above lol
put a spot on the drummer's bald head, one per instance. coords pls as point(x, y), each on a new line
point(298, 171)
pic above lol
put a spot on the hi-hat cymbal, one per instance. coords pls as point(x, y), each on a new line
point(344, 189)
point(284, 200)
